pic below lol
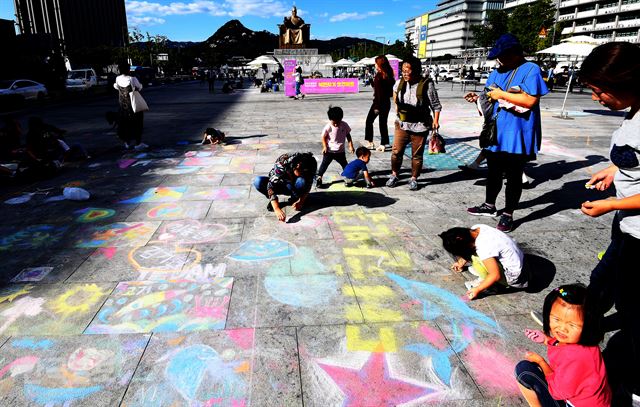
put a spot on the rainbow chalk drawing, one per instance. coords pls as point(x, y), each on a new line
point(164, 307)
point(88, 215)
point(68, 372)
point(159, 262)
point(158, 194)
point(117, 234)
point(263, 250)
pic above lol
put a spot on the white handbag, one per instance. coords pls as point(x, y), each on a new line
point(138, 104)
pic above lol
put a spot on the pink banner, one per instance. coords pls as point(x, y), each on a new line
point(289, 80)
point(395, 65)
point(330, 85)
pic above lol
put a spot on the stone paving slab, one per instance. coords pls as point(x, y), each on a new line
point(170, 211)
point(192, 231)
point(57, 309)
point(143, 306)
point(226, 368)
point(77, 370)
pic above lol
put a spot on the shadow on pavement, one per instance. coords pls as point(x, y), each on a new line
point(337, 199)
point(557, 169)
point(605, 112)
point(543, 272)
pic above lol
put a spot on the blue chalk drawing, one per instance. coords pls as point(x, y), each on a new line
point(50, 396)
point(158, 194)
point(33, 237)
point(28, 343)
point(189, 367)
point(262, 250)
point(440, 303)
point(298, 283)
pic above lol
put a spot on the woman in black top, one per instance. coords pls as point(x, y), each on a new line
point(382, 93)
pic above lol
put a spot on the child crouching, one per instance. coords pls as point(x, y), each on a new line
point(357, 169)
point(495, 258)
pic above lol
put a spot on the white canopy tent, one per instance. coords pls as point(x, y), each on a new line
point(579, 47)
point(344, 62)
point(263, 59)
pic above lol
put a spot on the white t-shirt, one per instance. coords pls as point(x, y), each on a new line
point(337, 136)
point(125, 80)
point(493, 243)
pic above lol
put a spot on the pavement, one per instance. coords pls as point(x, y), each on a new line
point(173, 285)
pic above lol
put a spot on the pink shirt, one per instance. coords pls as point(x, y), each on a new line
point(337, 136)
point(579, 375)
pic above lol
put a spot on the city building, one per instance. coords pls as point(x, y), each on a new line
point(74, 24)
point(515, 3)
point(605, 20)
point(447, 29)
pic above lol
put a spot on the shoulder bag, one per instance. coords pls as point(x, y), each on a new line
point(138, 104)
point(489, 133)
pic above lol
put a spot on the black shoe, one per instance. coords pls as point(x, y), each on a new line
point(270, 207)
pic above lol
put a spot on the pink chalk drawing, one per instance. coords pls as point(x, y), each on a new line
point(107, 252)
point(499, 378)
point(242, 337)
point(85, 359)
point(25, 306)
point(434, 336)
point(122, 164)
point(372, 384)
point(19, 366)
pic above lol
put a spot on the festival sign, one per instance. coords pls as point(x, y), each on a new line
point(330, 85)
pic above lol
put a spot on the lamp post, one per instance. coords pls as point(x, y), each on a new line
point(431, 56)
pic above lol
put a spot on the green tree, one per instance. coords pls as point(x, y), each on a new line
point(485, 35)
point(526, 21)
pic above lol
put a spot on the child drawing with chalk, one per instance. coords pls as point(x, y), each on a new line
point(495, 258)
point(575, 372)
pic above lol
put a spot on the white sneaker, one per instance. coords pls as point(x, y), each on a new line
point(473, 283)
point(381, 148)
point(371, 146)
point(141, 147)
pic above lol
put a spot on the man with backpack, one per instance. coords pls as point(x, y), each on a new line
point(415, 98)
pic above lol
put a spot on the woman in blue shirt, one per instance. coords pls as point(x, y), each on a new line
point(516, 88)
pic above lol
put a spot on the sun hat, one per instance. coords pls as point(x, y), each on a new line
point(504, 43)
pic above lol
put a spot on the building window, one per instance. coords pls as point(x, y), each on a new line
point(624, 2)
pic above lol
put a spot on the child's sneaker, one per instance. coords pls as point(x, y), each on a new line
point(392, 181)
point(473, 283)
point(482, 210)
point(506, 223)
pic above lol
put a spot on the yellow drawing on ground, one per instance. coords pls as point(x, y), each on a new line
point(76, 300)
point(12, 295)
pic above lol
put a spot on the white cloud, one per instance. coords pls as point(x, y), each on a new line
point(401, 24)
point(148, 21)
point(354, 16)
point(380, 27)
point(231, 8)
point(324, 15)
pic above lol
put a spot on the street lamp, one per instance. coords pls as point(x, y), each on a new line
point(431, 57)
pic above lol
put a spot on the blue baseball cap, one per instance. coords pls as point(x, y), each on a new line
point(504, 43)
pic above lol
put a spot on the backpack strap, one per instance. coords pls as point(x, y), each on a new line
point(402, 87)
point(420, 90)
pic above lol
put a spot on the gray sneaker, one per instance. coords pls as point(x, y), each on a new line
point(413, 185)
point(392, 181)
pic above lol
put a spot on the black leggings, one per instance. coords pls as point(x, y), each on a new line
point(327, 157)
point(512, 166)
point(383, 112)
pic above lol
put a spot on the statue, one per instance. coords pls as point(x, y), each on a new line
point(294, 32)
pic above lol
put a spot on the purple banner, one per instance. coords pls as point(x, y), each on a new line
point(289, 79)
point(330, 85)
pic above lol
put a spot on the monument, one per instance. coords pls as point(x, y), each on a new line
point(294, 32)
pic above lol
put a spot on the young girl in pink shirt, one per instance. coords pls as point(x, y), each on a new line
point(575, 374)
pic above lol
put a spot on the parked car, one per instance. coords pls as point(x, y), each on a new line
point(81, 79)
point(23, 88)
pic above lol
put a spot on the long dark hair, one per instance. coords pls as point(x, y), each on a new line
point(613, 67)
point(124, 68)
point(576, 294)
point(458, 242)
point(385, 67)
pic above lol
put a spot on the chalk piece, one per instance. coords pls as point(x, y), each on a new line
point(589, 186)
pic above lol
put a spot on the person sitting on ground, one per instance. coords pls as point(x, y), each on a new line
point(495, 258)
point(292, 174)
point(575, 374)
point(357, 168)
point(227, 87)
point(334, 135)
point(213, 136)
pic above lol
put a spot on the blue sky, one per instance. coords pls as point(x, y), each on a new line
point(196, 20)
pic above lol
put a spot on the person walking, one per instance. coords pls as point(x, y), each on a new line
point(299, 82)
point(130, 124)
point(383, 83)
point(516, 88)
point(415, 98)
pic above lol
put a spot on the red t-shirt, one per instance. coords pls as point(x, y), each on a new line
point(579, 375)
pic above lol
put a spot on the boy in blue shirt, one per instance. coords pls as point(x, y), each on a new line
point(358, 168)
